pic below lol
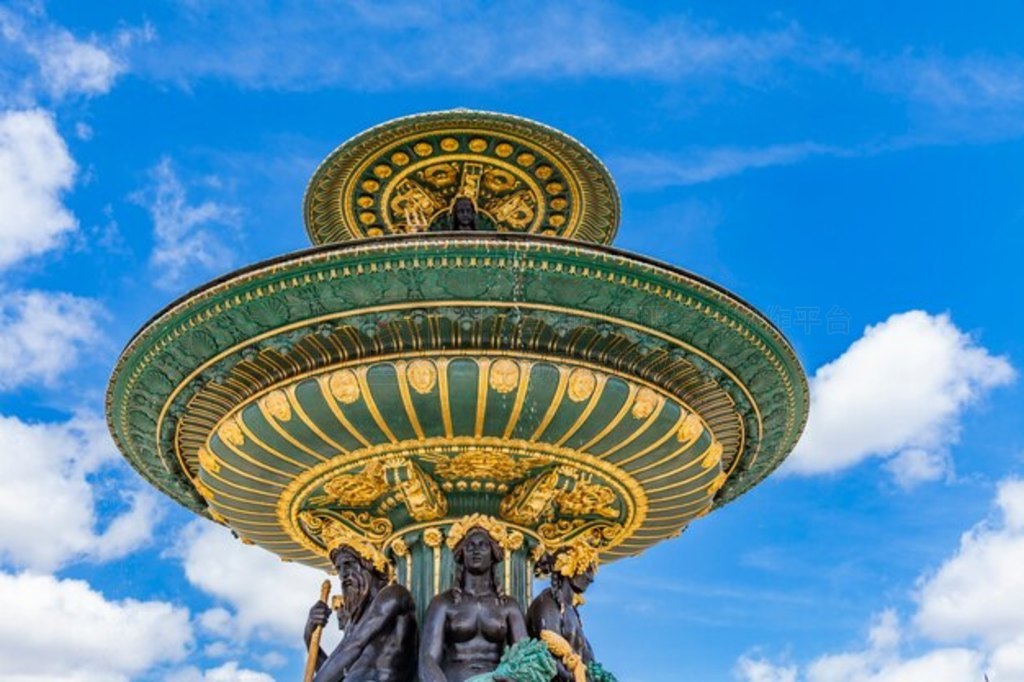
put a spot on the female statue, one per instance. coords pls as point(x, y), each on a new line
point(467, 628)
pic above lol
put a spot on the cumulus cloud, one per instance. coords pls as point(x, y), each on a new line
point(979, 592)
point(36, 169)
point(755, 669)
point(898, 392)
point(49, 466)
point(268, 597)
point(44, 334)
point(100, 640)
point(968, 624)
point(187, 236)
point(228, 672)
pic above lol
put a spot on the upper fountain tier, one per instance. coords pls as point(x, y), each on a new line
point(404, 176)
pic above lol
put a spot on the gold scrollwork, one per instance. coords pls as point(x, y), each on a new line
point(485, 464)
point(360, 489)
point(531, 500)
point(333, 534)
point(420, 493)
point(586, 499)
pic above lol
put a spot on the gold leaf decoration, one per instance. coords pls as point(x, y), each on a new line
point(486, 464)
point(344, 386)
point(645, 403)
point(504, 375)
point(422, 376)
point(231, 433)
point(690, 429)
point(208, 460)
point(712, 456)
point(582, 383)
point(276, 404)
point(358, 490)
point(587, 499)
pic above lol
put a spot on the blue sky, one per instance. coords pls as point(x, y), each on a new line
point(853, 169)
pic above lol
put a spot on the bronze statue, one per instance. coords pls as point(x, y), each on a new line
point(467, 628)
point(463, 216)
point(553, 616)
point(378, 617)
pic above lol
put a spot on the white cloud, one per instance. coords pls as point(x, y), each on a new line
point(979, 592)
point(751, 669)
point(283, 48)
point(229, 672)
point(64, 65)
point(48, 466)
point(269, 598)
point(43, 335)
point(36, 169)
point(969, 620)
point(653, 171)
point(97, 640)
point(897, 392)
point(187, 236)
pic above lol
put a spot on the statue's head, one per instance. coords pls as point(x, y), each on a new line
point(463, 214)
point(477, 553)
point(358, 577)
point(573, 565)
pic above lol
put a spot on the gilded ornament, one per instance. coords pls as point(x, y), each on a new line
point(420, 493)
point(503, 149)
point(554, 188)
point(344, 386)
point(530, 500)
point(544, 172)
point(371, 185)
point(433, 537)
point(645, 403)
point(358, 490)
point(216, 516)
point(717, 484)
point(441, 175)
point(422, 376)
point(376, 528)
point(382, 171)
point(556, 220)
point(559, 203)
point(526, 159)
point(582, 383)
point(208, 460)
point(477, 144)
point(400, 158)
point(449, 144)
point(690, 429)
point(509, 540)
point(276, 404)
point(203, 490)
point(486, 464)
point(367, 217)
point(364, 201)
point(575, 558)
point(586, 499)
point(400, 548)
point(333, 535)
point(497, 180)
point(712, 456)
point(423, 149)
point(231, 433)
point(504, 375)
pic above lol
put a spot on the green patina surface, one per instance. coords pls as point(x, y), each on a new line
point(502, 292)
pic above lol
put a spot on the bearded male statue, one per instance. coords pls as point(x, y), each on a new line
point(378, 617)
